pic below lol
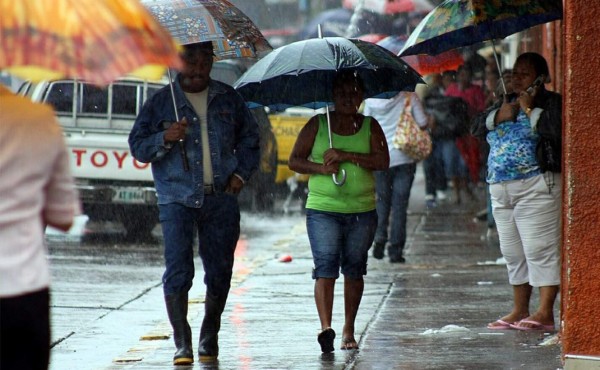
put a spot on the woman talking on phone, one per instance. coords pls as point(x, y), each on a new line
point(524, 132)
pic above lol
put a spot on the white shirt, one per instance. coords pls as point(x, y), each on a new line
point(387, 112)
point(35, 184)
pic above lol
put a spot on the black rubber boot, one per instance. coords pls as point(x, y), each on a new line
point(177, 308)
point(208, 346)
point(378, 250)
point(395, 254)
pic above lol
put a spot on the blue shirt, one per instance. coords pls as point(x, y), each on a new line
point(232, 134)
point(512, 151)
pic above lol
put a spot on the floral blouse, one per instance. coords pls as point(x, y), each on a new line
point(512, 151)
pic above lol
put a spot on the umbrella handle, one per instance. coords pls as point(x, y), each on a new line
point(186, 164)
point(339, 182)
point(334, 176)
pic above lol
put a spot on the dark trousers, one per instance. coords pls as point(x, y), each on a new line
point(217, 224)
point(433, 167)
point(25, 331)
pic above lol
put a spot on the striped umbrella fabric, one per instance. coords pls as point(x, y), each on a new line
point(232, 33)
point(456, 23)
point(94, 40)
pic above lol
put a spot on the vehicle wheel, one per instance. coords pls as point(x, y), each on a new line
point(139, 226)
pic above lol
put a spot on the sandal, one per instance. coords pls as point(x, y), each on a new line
point(325, 339)
point(349, 344)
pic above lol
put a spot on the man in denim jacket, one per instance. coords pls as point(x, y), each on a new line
point(219, 139)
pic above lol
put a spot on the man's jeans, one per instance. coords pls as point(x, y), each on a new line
point(218, 225)
point(393, 192)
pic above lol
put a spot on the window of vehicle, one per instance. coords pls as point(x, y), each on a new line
point(124, 99)
point(60, 96)
point(94, 100)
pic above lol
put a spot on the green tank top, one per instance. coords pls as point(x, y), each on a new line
point(358, 192)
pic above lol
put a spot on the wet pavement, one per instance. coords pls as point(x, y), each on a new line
point(429, 313)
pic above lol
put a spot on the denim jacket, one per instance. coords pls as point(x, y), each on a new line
point(232, 134)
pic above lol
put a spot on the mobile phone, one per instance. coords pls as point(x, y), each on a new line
point(539, 81)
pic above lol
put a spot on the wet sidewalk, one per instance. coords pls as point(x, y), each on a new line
point(429, 313)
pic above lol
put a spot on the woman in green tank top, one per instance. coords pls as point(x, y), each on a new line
point(341, 219)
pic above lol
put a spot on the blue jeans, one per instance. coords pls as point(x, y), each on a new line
point(454, 164)
point(340, 239)
point(218, 225)
point(433, 167)
point(393, 191)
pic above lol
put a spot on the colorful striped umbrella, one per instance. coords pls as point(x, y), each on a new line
point(456, 23)
point(232, 33)
point(97, 41)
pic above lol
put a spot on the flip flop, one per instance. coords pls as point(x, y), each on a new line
point(535, 325)
point(349, 344)
point(325, 339)
point(499, 325)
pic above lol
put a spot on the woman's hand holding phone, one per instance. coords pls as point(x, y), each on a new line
point(507, 112)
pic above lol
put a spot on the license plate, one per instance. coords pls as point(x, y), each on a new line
point(129, 195)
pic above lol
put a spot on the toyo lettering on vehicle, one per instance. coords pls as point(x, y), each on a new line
point(96, 121)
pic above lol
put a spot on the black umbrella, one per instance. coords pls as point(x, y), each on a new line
point(302, 73)
point(335, 23)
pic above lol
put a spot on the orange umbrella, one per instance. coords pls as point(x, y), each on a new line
point(372, 37)
point(95, 40)
point(424, 64)
point(391, 6)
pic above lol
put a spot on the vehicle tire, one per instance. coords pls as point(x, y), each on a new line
point(139, 225)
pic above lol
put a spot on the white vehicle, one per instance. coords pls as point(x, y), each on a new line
point(113, 185)
point(96, 121)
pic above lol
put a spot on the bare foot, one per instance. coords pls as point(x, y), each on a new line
point(349, 343)
point(544, 320)
point(505, 321)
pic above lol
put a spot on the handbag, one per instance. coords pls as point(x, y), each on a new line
point(409, 137)
point(548, 154)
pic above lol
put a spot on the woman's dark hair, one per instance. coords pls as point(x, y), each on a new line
point(351, 76)
point(537, 61)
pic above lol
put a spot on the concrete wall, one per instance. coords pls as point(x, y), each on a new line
point(580, 293)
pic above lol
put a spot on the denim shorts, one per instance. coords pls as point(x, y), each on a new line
point(340, 240)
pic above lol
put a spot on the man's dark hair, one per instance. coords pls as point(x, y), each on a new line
point(204, 47)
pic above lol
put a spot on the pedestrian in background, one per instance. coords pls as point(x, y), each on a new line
point(221, 139)
point(467, 144)
point(394, 183)
point(436, 183)
point(37, 190)
point(525, 189)
point(341, 220)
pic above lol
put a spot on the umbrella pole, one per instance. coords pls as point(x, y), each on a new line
point(186, 164)
point(334, 176)
point(498, 65)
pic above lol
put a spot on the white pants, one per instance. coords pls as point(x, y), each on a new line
point(527, 214)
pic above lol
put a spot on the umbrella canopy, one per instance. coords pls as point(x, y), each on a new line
point(335, 22)
point(425, 64)
point(456, 23)
point(97, 41)
point(372, 37)
point(232, 33)
point(391, 6)
point(302, 73)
